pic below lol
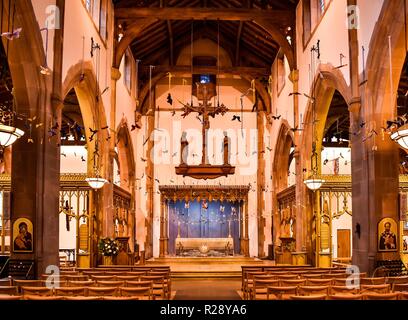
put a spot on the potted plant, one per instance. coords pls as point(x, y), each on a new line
point(109, 248)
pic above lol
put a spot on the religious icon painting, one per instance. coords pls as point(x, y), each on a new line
point(222, 208)
point(233, 211)
point(23, 236)
point(187, 205)
point(387, 235)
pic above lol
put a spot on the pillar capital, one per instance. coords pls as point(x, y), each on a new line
point(115, 74)
point(294, 75)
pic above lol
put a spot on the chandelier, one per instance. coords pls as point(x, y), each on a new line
point(9, 135)
point(401, 136)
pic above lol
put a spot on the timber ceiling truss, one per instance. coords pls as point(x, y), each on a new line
point(252, 32)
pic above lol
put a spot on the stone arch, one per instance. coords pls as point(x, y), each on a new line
point(282, 156)
point(326, 82)
point(126, 159)
point(390, 22)
point(81, 78)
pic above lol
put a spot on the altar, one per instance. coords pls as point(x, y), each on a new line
point(205, 245)
point(204, 218)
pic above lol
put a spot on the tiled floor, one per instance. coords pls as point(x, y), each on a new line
point(206, 289)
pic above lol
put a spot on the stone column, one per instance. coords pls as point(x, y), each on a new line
point(162, 232)
point(246, 237)
point(149, 189)
point(261, 184)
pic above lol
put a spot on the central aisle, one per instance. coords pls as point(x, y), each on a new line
point(207, 289)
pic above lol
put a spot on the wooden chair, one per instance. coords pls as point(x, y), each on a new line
point(127, 278)
point(27, 283)
point(6, 297)
point(319, 282)
point(311, 297)
point(346, 297)
point(88, 283)
point(371, 281)
point(399, 280)
point(312, 276)
point(136, 273)
point(292, 282)
point(45, 277)
point(259, 288)
point(76, 277)
point(138, 284)
point(83, 298)
point(248, 281)
point(9, 290)
point(53, 284)
point(280, 293)
point(400, 287)
point(36, 297)
point(343, 282)
point(288, 277)
point(102, 291)
point(6, 282)
point(160, 287)
point(403, 295)
point(76, 273)
point(337, 275)
point(110, 283)
point(381, 296)
point(103, 278)
point(142, 292)
point(112, 298)
point(38, 291)
point(313, 290)
point(343, 290)
point(71, 291)
point(375, 288)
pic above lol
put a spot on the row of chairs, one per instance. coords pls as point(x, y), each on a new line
point(263, 289)
point(367, 296)
point(145, 292)
point(160, 285)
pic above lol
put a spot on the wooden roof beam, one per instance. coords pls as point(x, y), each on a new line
point(231, 14)
point(239, 33)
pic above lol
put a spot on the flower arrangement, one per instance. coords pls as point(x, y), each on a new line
point(109, 247)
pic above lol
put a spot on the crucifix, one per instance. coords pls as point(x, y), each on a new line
point(206, 110)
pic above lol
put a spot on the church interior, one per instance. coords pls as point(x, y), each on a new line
point(204, 150)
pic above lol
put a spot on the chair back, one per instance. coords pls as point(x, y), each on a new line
point(292, 282)
point(375, 288)
point(11, 290)
point(37, 297)
point(40, 291)
point(381, 296)
point(343, 290)
point(71, 291)
point(76, 277)
point(313, 290)
point(102, 291)
point(279, 293)
point(7, 297)
point(136, 284)
point(400, 287)
point(127, 278)
point(346, 297)
point(311, 297)
point(110, 283)
point(319, 282)
point(87, 283)
point(368, 281)
point(136, 292)
point(103, 278)
point(83, 298)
